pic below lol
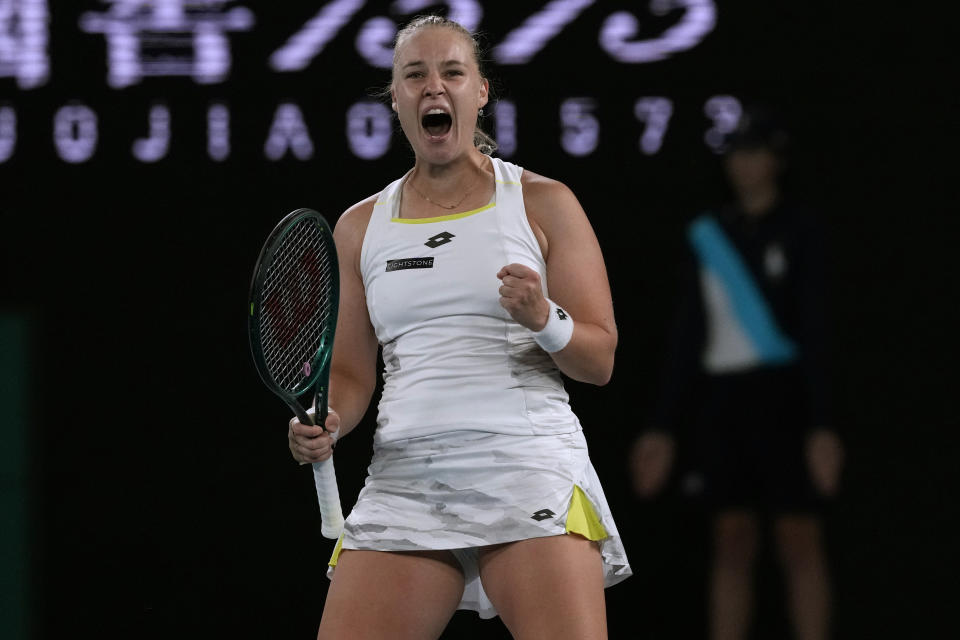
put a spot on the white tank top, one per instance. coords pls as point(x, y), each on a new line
point(454, 358)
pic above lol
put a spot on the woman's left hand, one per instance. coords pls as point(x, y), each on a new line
point(522, 296)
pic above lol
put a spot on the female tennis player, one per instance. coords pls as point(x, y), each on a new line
point(481, 282)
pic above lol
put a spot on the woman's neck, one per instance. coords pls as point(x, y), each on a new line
point(447, 186)
point(462, 169)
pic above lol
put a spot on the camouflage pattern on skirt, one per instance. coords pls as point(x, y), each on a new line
point(469, 489)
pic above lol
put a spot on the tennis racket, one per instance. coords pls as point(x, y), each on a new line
point(294, 297)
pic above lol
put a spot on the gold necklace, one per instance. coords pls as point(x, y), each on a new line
point(443, 206)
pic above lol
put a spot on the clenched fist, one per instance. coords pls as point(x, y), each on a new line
point(521, 294)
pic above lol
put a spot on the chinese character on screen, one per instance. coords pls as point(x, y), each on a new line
point(167, 38)
point(24, 27)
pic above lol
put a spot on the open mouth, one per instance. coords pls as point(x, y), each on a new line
point(436, 122)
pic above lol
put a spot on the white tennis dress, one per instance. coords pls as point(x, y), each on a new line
point(476, 443)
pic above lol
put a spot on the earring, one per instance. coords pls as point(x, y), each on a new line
point(480, 113)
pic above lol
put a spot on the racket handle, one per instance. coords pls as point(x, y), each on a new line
point(331, 515)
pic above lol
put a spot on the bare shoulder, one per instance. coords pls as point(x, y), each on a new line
point(541, 190)
point(550, 203)
point(352, 224)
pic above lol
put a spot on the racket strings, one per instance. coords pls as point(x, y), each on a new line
point(295, 304)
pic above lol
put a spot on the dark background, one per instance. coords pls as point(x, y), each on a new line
point(163, 498)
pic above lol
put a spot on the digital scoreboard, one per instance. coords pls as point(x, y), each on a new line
point(272, 72)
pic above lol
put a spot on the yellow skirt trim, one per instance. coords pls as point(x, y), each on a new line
point(336, 552)
point(582, 519)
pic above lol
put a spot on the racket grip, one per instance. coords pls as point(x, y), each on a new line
point(331, 515)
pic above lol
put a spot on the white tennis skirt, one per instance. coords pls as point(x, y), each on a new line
point(468, 489)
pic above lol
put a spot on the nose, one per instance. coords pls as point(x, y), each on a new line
point(433, 86)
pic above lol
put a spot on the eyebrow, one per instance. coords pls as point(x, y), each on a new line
point(445, 63)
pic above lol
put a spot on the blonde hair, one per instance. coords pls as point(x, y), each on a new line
point(481, 139)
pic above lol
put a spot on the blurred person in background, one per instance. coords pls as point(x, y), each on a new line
point(746, 362)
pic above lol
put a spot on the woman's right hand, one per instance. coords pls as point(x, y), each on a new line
point(310, 443)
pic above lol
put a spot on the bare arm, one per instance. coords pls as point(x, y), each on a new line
point(354, 367)
point(576, 278)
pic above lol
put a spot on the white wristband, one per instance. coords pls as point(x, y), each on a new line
point(557, 332)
